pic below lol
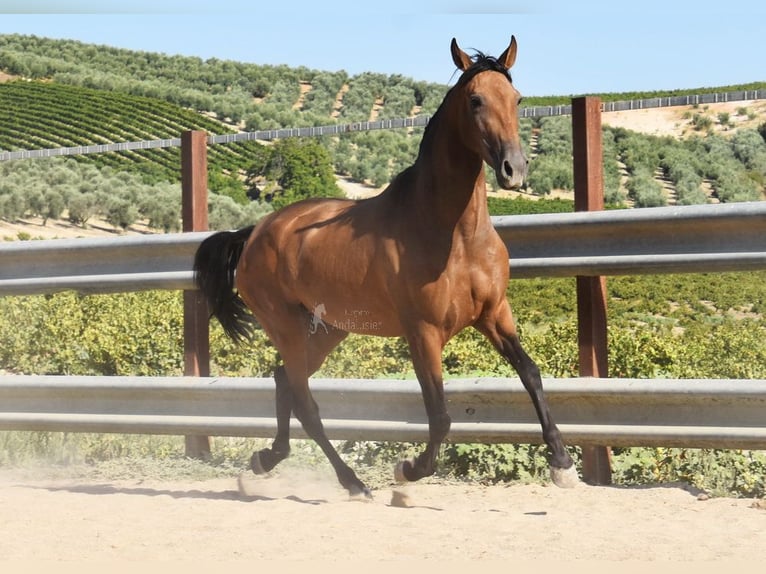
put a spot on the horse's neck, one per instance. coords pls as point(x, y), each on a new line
point(450, 189)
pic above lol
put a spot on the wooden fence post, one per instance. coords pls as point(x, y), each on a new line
point(196, 322)
point(591, 291)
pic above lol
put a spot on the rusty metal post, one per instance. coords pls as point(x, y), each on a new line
point(591, 291)
point(196, 323)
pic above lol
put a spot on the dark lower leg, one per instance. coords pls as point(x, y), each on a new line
point(529, 374)
point(266, 459)
point(425, 463)
point(427, 362)
point(426, 347)
point(303, 352)
point(307, 412)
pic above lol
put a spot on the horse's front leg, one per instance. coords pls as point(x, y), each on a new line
point(426, 349)
point(499, 328)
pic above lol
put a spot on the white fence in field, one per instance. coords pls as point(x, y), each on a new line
point(386, 124)
point(696, 238)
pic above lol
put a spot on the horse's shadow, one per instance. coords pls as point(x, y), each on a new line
point(232, 495)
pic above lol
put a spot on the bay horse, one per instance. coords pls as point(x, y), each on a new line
point(421, 260)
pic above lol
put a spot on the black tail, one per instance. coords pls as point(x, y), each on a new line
point(214, 265)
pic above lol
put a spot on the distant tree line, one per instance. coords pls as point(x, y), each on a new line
point(734, 167)
point(56, 188)
point(84, 193)
point(261, 96)
point(53, 188)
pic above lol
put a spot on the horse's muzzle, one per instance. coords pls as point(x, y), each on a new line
point(511, 170)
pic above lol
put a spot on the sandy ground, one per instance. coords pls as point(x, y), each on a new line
point(671, 121)
point(34, 228)
point(355, 190)
point(305, 515)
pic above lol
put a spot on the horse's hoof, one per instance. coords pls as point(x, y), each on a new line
point(363, 495)
point(255, 464)
point(399, 475)
point(565, 477)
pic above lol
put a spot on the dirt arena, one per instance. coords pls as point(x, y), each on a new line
point(304, 515)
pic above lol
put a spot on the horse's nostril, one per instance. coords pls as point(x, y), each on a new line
point(507, 169)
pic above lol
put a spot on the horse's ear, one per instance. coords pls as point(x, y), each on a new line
point(461, 59)
point(508, 57)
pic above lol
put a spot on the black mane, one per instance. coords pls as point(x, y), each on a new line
point(484, 63)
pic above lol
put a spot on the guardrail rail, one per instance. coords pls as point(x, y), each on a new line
point(692, 413)
point(696, 238)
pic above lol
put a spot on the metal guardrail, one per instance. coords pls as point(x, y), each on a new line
point(679, 239)
point(701, 238)
point(100, 265)
point(620, 412)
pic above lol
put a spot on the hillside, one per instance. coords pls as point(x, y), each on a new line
point(243, 93)
point(40, 115)
point(56, 93)
point(679, 122)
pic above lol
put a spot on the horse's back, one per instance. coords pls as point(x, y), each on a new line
point(333, 253)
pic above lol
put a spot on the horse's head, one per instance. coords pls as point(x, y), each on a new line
point(488, 105)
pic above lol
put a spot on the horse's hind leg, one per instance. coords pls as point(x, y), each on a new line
point(266, 459)
point(500, 330)
point(307, 412)
point(303, 354)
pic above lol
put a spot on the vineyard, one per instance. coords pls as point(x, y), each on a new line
point(36, 115)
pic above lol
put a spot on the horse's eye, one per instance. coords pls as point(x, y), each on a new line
point(476, 102)
point(520, 100)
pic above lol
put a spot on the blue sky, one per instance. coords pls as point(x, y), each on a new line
point(565, 47)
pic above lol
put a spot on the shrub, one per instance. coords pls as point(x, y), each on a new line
point(82, 207)
point(13, 203)
point(301, 168)
point(645, 190)
point(549, 172)
point(121, 213)
point(702, 122)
